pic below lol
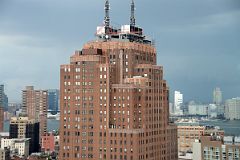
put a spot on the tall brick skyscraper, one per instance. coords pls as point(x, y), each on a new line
point(114, 100)
point(35, 106)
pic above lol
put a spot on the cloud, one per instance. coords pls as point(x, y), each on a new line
point(198, 41)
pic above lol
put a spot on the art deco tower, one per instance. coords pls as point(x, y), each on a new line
point(114, 100)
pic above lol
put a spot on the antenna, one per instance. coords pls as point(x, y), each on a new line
point(132, 18)
point(107, 18)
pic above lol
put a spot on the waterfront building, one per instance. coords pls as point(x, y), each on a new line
point(53, 100)
point(212, 110)
point(114, 100)
point(23, 127)
point(35, 106)
point(217, 96)
point(197, 109)
point(232, 109)
point(217, 148)
point(17, 146)
point(178, 101)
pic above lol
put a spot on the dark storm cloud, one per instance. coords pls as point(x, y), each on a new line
point(197, 41)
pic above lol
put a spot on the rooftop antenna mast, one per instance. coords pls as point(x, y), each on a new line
point(107, 18)
point(132, 18)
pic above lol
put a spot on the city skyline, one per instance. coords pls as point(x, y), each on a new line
point(197, 42)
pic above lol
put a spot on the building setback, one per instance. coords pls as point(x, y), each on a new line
point(35, 106)
point(22, 127)
point(114, 100)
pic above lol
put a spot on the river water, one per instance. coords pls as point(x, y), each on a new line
point(230, 127)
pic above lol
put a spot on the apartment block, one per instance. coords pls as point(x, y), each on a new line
point(35, 106)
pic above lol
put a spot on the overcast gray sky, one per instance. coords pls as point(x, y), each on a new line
point(198, 41)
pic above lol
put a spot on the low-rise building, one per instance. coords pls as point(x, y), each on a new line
point(190, 130)
point(217, 148)
point(47, 143)
point(5, 154)
point(19, 147)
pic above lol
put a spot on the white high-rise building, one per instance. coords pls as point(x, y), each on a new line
point(178, 100)
point(232, 108)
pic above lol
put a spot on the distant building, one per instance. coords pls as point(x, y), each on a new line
point(212, 110)
point(3, 106)
point(22, 127)
point(178, 101)
point(13, 108)
point(53, 99)
point(197, 109)
point(1, 119)
point(3, 98)
point(17, 146)
point(232, 108)
point(217, 96)
point(171, 108)
point(217, 148)
point(5, 153)
point(35, 106)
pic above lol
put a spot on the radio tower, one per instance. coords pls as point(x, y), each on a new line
point(132, 18)
point(107, 18)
